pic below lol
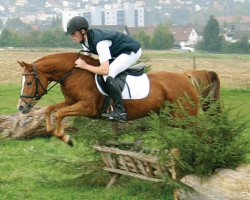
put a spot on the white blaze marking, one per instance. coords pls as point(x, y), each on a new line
point(23, 81)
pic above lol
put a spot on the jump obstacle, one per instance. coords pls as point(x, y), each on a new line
point(120, 162)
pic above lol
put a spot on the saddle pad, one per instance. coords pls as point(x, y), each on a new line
point(138, 87)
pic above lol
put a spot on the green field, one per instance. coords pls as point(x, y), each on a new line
point(46, 168)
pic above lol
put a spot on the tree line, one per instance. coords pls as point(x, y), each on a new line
point(55, 37)
point(51, 38)
point(161, 39)
point(18, 34)
point(213, 41)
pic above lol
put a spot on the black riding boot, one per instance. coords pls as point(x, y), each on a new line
point(115, 93)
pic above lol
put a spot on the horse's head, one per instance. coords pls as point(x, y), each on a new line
point(34, 86)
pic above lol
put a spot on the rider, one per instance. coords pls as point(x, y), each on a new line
point(109, 45)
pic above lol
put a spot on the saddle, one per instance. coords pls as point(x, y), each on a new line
point(135, 70)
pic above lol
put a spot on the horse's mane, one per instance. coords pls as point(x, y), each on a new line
point(70, 55)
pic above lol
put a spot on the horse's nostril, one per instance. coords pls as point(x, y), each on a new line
point(20, 108)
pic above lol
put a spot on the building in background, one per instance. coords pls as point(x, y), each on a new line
point(128, 14)
point(185, 36)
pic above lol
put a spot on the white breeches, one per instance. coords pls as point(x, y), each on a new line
point(122, 62)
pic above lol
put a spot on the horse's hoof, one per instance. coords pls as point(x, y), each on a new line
point(48, 135)
point(70, 142)
point(50, 132)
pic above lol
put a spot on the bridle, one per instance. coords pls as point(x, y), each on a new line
point(36, 96)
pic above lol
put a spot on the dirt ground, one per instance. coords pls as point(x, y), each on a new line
point(234, 72)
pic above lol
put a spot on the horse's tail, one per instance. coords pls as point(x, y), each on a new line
point(215, 85)
point(207, 84)
point(213, 95)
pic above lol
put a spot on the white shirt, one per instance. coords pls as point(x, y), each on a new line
point(102, 49)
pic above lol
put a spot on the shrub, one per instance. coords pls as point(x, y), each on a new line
point(207, 142)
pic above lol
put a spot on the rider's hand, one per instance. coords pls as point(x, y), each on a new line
point(81, 63)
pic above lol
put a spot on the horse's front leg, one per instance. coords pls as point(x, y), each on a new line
point(48, 115)
point(78, 109)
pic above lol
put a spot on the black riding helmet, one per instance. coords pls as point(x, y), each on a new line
point(76, 24)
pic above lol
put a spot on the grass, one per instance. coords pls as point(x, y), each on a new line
point(46, 168)
point(9, 94)
point(239, 99)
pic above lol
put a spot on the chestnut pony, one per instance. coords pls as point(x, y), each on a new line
point(82, 97)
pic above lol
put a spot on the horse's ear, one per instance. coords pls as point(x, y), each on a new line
point(21, 64)
point(25, 65)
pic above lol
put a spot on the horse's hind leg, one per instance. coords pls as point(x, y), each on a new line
point(48, 115)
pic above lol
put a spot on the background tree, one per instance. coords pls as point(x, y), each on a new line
point(56, 22)
point(242, 46)
point(162, 38)
point(30, 40)
point(144, 39)
point(212, 40)
point(10, 38)
point(1, 24)
point(53, 38)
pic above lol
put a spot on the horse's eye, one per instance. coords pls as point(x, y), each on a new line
point(29, 83)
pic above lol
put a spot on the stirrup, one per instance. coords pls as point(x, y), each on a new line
point(117, 116)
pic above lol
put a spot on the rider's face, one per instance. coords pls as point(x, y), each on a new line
point(77, 36)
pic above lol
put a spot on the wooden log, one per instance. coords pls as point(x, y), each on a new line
point(110, 160)
point(113, 179)
point(146, 158)
point(22, 126)
point(141, 167)
point(122, 163)
point(118, 171)
point(104, 159)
